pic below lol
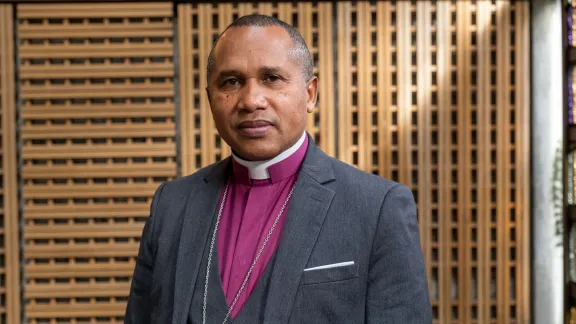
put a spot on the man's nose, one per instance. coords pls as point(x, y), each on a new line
point(252, 96)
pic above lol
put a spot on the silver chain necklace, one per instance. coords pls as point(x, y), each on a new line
point(253, 263)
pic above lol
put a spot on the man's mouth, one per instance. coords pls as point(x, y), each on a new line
point(255, 128)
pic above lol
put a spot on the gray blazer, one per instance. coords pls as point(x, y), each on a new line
point(337, 214)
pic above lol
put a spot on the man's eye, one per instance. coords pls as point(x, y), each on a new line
point(272, 78)
point(231, 81)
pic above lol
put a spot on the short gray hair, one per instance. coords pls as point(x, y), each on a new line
point(299, 51)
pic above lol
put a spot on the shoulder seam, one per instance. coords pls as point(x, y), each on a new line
point(153, 212)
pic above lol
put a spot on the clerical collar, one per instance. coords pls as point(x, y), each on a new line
point(276, 169)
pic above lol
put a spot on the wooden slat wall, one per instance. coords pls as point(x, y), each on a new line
point(198, 27)
point(98, 132)
point(9, 239)
point(432, 94)
point(436, 95)
point(522, 182)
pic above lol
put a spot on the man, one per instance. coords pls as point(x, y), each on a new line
point(279, 232)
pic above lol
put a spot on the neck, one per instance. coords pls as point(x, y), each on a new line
point(259, 169)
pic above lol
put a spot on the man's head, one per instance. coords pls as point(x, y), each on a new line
point(261, 86)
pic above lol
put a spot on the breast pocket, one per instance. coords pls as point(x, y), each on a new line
point(330, 296)
point(329, 273)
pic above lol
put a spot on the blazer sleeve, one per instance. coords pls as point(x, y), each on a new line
point(397, 284)
point(139, 308)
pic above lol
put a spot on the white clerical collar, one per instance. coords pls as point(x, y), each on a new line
point(258, 170)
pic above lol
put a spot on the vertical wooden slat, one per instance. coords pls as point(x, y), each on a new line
point(326, 78)
point(483, 172)
point(344, 82)
point(383, 50)
point(463, 113)
point(503, 159)
point(187, 146)
point(363, 92)
point(424, 88)
point(265, 8)
point(442, 234)
point(245, 9)
point(404, 57)
point(285, 12)
point(225, 11)
point(10, 277)
point(522, 125)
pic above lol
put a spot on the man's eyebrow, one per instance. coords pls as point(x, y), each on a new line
point(269, 70)
point(227, 73)
point(265, 70)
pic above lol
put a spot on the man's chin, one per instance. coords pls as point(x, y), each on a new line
point(256, 153)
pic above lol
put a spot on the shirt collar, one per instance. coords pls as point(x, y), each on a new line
point(276, 169)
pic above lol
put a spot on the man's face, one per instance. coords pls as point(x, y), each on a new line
point(257, 92)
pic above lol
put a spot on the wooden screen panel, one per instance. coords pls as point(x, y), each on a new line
point(435, 95)
point(9, 239)
point(98, 136)
point(199, 26)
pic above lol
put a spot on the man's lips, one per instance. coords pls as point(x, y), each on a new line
point(254, 124)
point(255, 128)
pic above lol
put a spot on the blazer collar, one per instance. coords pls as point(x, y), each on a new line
point(317, 165)
point(306, 212)
point(197, 219)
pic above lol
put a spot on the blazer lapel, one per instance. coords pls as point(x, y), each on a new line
point(306, 214)
point(200, 212)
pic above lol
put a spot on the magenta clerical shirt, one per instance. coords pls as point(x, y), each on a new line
point(255, 196)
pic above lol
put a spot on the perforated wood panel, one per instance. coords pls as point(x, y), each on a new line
point(98, 131)
point(431, 94)
point(9, 247)
point(435, 95)
point(199, 26)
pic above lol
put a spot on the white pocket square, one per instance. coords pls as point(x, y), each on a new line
point(333, 265)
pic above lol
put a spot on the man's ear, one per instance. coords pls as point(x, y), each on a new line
point(208, 93)
point(312, 94)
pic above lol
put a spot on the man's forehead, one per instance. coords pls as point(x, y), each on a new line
point(244, 40)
